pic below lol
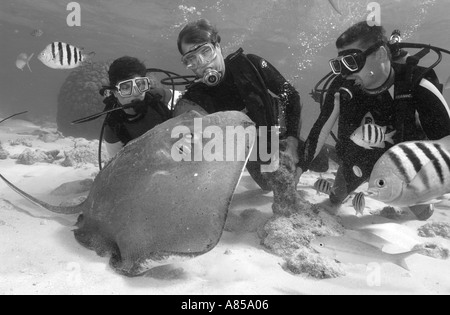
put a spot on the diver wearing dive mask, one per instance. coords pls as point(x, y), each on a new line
point(392, 96)
point(239, 82)
point(144, 106)
point(198, 59)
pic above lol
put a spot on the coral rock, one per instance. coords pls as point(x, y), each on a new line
point(79, 97)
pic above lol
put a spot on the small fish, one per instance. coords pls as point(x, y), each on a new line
point(23, 60)
point(324, 186)
point(372, 136)
point(335, 6)
point(59, 55)
point(348, 250)
point(359, 203)
point(412, 173)
point(37, 33)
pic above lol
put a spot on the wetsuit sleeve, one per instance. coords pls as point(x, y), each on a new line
point(320, 132)
point(434, 112)
point(113, 144)
point(288, 95)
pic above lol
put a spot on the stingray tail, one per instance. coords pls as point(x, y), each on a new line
point(55, 209)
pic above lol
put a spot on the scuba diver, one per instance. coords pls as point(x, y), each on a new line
point(374, 96)
point(239, 82)
point(144, 106)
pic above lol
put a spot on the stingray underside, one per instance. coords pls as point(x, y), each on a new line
point(147, 209)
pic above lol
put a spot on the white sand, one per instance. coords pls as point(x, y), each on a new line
point(39, 255)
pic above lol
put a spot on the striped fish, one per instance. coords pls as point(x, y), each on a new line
point(372, 136)
point(59, 55)
point(359, 203)
point(323, 186)
point(412, 173)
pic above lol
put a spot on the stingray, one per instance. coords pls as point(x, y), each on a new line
point(146, 210)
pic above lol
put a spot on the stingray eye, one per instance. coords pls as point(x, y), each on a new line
point(381, 183)
point(322, 245)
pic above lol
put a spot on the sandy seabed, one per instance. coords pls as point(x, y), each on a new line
point(39, 254)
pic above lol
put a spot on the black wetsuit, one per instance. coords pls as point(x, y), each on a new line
point(122, 128)
point(426, 103)
point(248, 78)
point(231, 95)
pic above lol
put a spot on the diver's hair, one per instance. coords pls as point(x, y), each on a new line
point(125, 68)
point(198, 32)
point(365, 34)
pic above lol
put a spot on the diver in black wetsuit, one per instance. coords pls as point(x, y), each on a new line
point(371, 89)
point(130, 86)
point(239, 82)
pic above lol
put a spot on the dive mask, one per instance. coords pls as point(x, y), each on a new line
point(200, 56)
point(352, 60)
point(126, 88)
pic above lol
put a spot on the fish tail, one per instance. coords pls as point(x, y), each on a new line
point(87, 58)
point(390, 137)
point(28, 61)
point(399, 259)
point(54, 209)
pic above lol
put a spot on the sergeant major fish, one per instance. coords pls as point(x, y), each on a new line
point(359, 203)
point(323, 186)
point(372, 136)
point(59, 55)
point(412, 173)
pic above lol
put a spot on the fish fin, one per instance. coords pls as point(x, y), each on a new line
point(384, 129)
point(28, 61)
point(390, 136)
point(417, 183)
point(88, 58)
point(399, 259)
point(364, 145)
point(445, 142)
point(382, 145)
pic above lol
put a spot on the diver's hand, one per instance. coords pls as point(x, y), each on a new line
point(337, 100)
point(297, 175)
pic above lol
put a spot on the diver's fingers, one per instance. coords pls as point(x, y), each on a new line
point(337, 99)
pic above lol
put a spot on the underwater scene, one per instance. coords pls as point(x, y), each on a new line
point(251, 147)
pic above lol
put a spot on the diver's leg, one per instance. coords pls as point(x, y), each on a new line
point(339, 193)
point(346, 183)
point(254, 168)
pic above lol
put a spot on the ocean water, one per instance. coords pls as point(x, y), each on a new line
point(297, 36)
